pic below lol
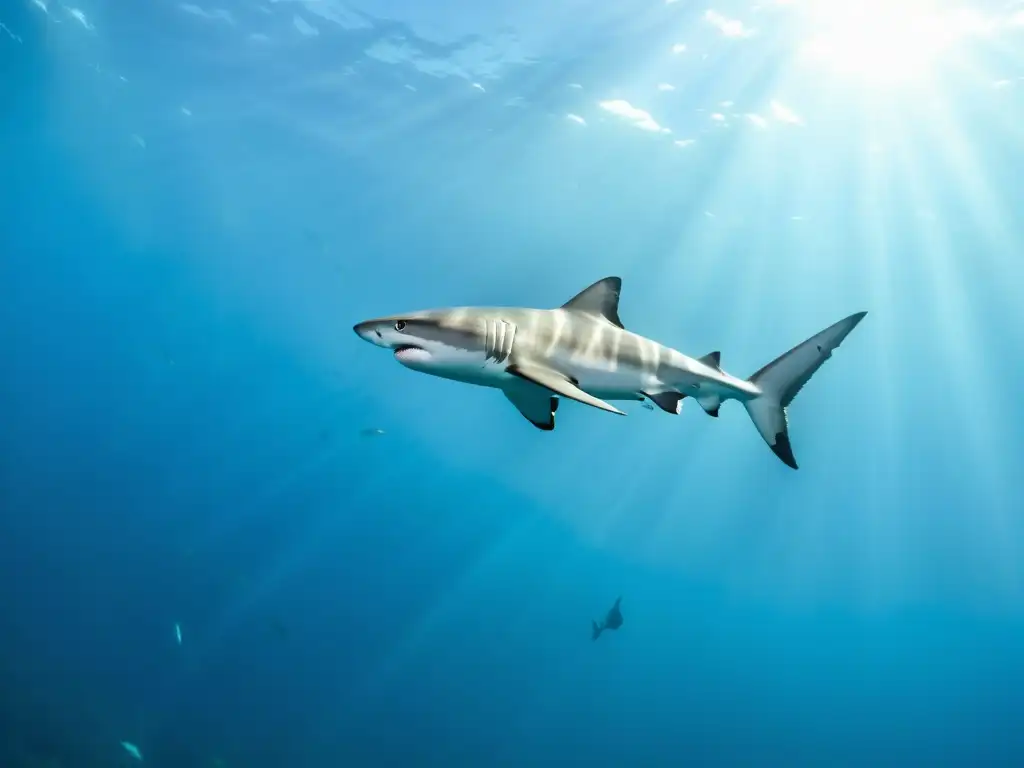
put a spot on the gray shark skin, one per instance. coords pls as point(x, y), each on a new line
point(582, 352)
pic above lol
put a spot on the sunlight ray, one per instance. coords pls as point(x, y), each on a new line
point(886, 44)
point(883, 529)
point(938, 263)
point(430, 622)
point(984, 206)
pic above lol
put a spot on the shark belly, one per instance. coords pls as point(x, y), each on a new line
point(615, 380)
point(458, 365)
point(611, 382)
point(479, 376)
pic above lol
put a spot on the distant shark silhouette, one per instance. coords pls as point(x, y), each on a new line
point(612, 621)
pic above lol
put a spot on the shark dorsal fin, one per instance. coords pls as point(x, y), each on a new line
point(602, 298)
point(714, 359)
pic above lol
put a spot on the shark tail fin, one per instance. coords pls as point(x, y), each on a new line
point(596, 630)
point(783, 378)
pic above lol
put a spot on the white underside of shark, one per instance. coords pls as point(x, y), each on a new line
point(581, 351)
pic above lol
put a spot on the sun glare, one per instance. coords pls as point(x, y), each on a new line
point(885, 42)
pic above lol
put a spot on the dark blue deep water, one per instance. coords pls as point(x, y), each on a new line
point(198, 201)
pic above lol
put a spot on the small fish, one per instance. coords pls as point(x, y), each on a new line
point(79, 16)
point(371, 432)
point(14, 37)
point(132, 750)
point(647, 405)
point(177, 633)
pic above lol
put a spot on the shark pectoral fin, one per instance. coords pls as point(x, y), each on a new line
point(560, 384)
point(536, 404)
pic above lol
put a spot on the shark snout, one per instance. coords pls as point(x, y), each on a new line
point(369, 331)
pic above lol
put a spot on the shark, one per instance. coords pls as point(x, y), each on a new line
point(581, 351)
point(612, 621)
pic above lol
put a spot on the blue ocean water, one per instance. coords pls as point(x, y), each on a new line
point(198, 201)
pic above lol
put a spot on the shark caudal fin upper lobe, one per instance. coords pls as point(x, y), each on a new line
point(782, 379)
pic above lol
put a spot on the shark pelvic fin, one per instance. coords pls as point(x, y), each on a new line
point(560, 384)
point(710, 404)
point(669, 402)
point(536, 404)
point(601, 298)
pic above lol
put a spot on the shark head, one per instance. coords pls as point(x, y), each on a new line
point(433, 341)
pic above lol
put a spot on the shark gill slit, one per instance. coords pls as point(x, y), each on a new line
point(510, 341)
point(493, 350)
point(503, 330)
point(491, 339)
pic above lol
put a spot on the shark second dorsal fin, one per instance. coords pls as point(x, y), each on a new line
point(602, 299)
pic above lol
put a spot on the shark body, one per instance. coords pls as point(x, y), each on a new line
point(582, 351)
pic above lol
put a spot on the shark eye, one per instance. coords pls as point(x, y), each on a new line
point(400, 326)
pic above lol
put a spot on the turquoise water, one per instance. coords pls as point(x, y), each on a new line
point(199, 201)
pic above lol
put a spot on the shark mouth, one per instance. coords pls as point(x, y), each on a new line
point(410, 354)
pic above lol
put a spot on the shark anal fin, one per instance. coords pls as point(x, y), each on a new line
point(669, 402)
point(712, 359)
point(560, 384)
point(601, 298)
point(536, 404)
point(710, 404)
